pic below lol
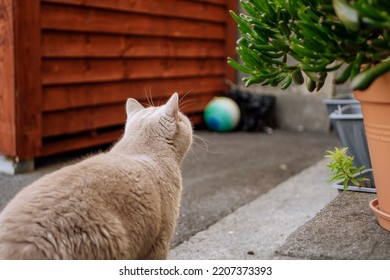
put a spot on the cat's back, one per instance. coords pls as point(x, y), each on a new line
point(89, 179)
point(91, 204)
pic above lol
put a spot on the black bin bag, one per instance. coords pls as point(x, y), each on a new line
point(257, 110)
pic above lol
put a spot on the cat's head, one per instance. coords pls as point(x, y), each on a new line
point(163, 126)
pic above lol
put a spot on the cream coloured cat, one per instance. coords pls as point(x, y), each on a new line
point(122, 204)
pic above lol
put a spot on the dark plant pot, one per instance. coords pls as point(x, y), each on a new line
point(365, 186)
point(349, 125)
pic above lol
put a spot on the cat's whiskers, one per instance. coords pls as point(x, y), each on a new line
point(187, 104)
point(205, 145)
point(149, 97)
point(202, 145)
point(185, 95)
point(159, 101)
point(183, 102)
point(195, 155)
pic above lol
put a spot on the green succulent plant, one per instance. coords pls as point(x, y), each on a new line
point(321, 35)
point(342, 168)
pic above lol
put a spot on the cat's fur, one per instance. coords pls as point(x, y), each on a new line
point(122, 204)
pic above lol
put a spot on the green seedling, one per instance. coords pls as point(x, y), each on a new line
point(342, 168)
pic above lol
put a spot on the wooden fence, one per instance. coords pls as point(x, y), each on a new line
point(67, 66)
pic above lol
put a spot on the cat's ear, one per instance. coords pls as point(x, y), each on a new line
point(172, 106)
point(132, 106)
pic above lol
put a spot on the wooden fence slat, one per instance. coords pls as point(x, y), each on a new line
point(200, 10)
point(80, 142)
point(94, 45)
point(83, 95)
point(99, 21)
point(86, 119)
point(91, 70)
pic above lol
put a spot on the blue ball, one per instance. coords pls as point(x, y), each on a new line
point(222, 114)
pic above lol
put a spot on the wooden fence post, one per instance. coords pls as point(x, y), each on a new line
point(20, 70)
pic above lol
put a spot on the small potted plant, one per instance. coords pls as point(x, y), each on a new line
point(323, 36)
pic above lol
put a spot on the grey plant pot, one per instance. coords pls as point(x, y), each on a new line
point(333, 104)
point(349, 125)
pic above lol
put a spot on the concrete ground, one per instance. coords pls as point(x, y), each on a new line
point(301, 218)
point(236, 168)
point(256, 230)
point(244, 193)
